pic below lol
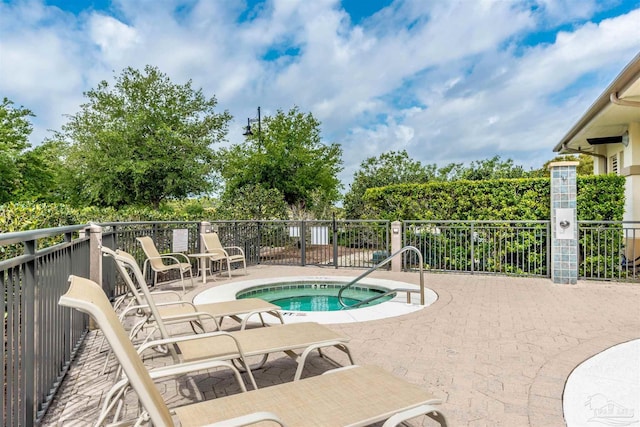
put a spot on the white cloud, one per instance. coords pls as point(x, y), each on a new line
point(112, 36)
point(448, 81)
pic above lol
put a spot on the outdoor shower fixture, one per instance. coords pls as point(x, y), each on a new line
point(565, 227)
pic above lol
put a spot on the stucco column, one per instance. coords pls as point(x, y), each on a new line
point(396, 245)
point(564, 223)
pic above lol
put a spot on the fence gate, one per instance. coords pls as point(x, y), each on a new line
point(330, 243)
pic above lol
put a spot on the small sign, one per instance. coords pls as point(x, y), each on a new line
point(319, 235)
point(180, 240)
point(294, 231)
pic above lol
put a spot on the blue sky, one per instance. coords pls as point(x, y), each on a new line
point(448, 81)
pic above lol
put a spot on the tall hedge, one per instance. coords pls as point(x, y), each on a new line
point(600, 197)
point(24, 216)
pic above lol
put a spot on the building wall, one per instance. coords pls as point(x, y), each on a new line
point(631, 171)
point(628, 165)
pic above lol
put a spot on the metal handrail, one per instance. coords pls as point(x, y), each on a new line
point(374, 268)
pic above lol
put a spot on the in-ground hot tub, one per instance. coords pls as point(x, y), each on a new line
point(395, 305)
point(317, 295)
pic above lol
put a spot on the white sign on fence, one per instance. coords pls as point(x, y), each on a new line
point(319, 235)
point(294, 231)
point(180, 241)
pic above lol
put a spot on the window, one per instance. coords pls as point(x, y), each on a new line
point(613, 160)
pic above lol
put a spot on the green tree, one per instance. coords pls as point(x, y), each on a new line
point(585, 166)
point(15, 129)
point(393, 167)
point(287, 155)
point(40, 170)
point(141, 141)
point(493, 168)
point(252, 201)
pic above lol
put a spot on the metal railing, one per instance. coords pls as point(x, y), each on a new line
point(609, 250)
point(39, 337)
point(383, 294)
point(493, 247)
point(118, 235)
point(332, 243)
point(36, 264)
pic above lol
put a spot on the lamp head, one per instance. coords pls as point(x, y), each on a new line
point(247, 131)
point(625, 138)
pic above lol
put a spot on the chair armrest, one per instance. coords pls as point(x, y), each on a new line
point(190, 317)
point(130, 308)
point(178, 254)
point(177, 340)
point(172, 258)
point(172, 293)
point(218, 251)
point(181, 302)
point(245, 420)
point(119, 388)
point(238, 248)
point(158, 304)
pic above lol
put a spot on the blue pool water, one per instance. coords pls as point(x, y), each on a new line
point(312, 296)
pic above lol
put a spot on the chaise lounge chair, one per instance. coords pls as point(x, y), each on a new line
point(228, 254)
point(241, 310)
point(297, 340)
point(157, 262)
point(353, 396)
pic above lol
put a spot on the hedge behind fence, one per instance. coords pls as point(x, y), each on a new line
point(600, 198)
point(23, 216)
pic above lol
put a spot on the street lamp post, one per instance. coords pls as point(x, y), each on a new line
point(248, 132)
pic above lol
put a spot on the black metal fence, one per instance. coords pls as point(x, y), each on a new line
point(169, 236)
point(496, 247)
point(40, 338)
point(609, 250)
point(337, 243)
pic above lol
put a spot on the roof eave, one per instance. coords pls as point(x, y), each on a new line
point(626, 78)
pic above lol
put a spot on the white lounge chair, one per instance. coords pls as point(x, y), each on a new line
point(296, 340)
point(354, 396)
point(242, 310)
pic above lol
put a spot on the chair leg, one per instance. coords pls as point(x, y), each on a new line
point(229, 268)
point(184, 291)
point(193, 285)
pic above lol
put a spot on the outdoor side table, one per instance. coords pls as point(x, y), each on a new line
point(202, 265)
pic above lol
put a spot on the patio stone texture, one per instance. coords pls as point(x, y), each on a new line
point(498, 350)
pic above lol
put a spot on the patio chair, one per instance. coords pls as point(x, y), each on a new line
point(180, 310)
point(355, 396)
point(297, 340)
point(157, 262)
point(630, 258)
point(229, 254)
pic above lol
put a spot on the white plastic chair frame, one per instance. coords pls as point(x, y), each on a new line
point(229, 254)
point(155, 261)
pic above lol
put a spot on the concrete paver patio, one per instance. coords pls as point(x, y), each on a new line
point(497, 350)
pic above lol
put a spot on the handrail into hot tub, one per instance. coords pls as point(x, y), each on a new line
point(380, 264)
